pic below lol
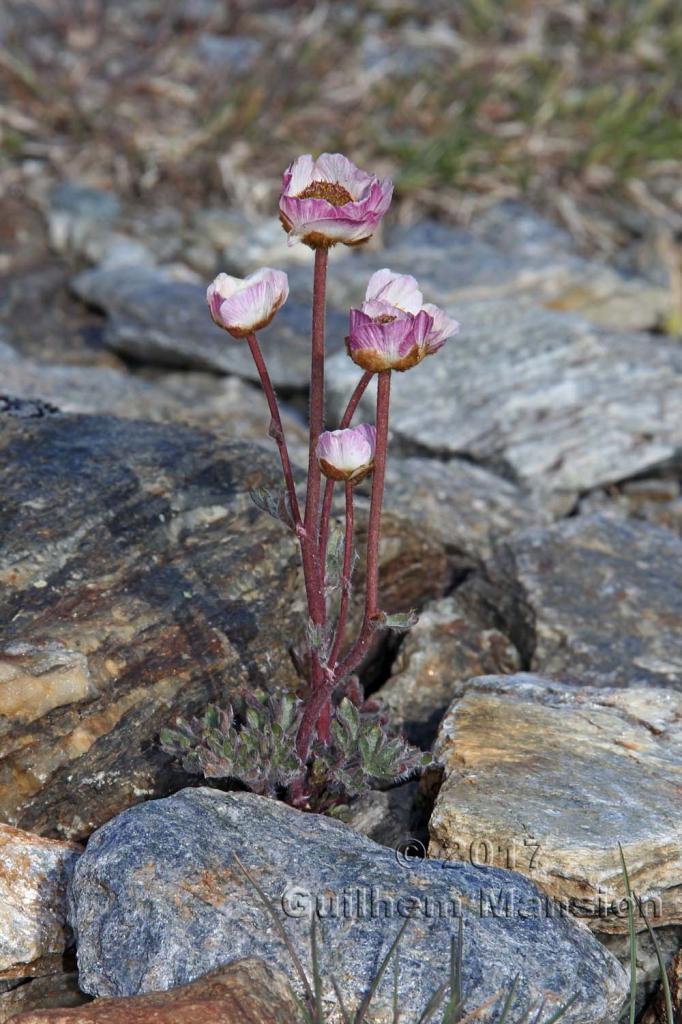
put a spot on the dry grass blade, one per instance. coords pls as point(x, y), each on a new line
point(339, 998)
point(508, 1001)
point(280, 930)
point(434, 1002)
point(562, 1010)
point(317, 975)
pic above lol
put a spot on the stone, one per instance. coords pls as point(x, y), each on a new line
point(467, 508)
point(656, 1013)
point(548, 779)
point(592, 599)
point(441, 651)
point(200, 911)
point(656, 499)
point(649, 993)
point(136, 548)
point(155, 319)
point(54, 991)
point(140, 583)
point(245, 992)
point(229, 404)
point(75, 210)
point(33, 877)
point(543, 398)
point(236, 54)
point(390, 817)
point(508, 251)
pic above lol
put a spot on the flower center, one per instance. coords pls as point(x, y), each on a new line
point(334, 193)
point(385, 318)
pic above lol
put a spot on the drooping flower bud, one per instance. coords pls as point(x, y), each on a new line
point(330, 200)
point(347, 454)
point(244, 305)
point(394, 330)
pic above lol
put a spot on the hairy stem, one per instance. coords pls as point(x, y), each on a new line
point(329, 485)
point(320, 696)
point(276, 430)
point(360, 646)
point(346, 578)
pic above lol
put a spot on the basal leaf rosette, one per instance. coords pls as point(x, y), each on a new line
point(395, 329)
point(244, 305)
point(330, 200)
point(348, 454)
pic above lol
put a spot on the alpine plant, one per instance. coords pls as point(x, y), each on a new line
point(328, 743)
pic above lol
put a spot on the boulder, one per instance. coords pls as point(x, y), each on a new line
point(159, 898)
point(591, 599)
point(246, 992)
point(548, 779)
point(33, 878)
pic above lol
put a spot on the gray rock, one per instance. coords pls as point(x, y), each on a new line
point(77, 211)
point(590, 600)
point(549, 779)
point(510, 251)
point(540, 396)
point(442, 650)
point(156, 319)
point(466, 507)
point(236, 54)
point(658, 500)
point(389, 817)
point(157, 900)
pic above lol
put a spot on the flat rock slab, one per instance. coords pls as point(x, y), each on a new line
point(158, 899)
point(541, 397)
point(48, 992)
point(441, 651)
point(226, 403)
point(33, 878)
point(590, 600)
point(246, 992)
point(139, 582)
point(548, 779)
point(467, 508)
point(509, 251)
point(156, 319)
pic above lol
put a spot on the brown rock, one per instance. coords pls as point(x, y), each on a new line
point(33, 879)
point(656, 1014)
point(245, 992)
point(53, 990)
point(439, 653)
point(547, 779)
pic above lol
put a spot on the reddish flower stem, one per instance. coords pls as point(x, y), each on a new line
point(360, 646)
point(277, 430)
point(329, 486)
point(345, 578)
point(321, 695)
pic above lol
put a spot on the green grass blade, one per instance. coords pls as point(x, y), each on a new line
point(508, 1001)
point(362, 1009)
point(633, 937)
point(396, 980)
point(339, 998)
point(433, 1003)
point(661, 966)
point(281, 930)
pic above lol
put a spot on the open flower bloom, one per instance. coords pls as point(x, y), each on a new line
point(330, 200)
point(244, 305)
point(347, 454)
point(394, 330)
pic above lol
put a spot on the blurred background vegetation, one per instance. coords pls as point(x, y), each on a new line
point(574, 104)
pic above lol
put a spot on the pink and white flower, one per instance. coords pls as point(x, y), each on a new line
point(330, 200)
point(347, 454)
point(244, 305)
point(395, 330)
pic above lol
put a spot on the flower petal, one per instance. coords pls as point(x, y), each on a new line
point(444, 327)
point(400, 290)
